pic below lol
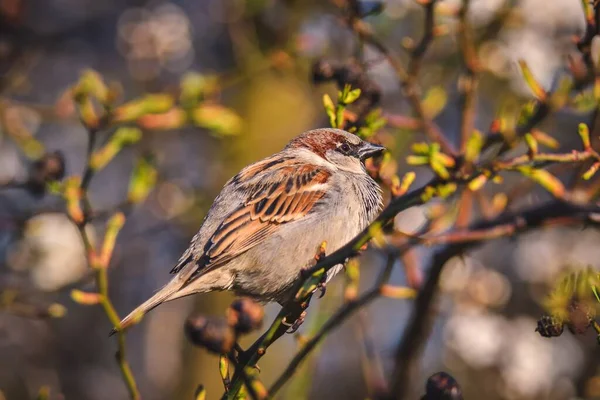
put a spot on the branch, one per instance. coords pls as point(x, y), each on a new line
point(408, 79)
point(417, 331)
point(335, 321)
point(468, 82)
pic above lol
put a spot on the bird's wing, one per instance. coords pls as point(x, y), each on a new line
point(277, 192)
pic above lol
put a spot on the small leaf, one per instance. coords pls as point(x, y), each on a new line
point(149, 104)
point(87, 112)
point(310, 285)
point(57, 310)
point(397, 292)
point(596, 88)
point(447, 190)
point(591, 171)
point(352, 96)
point(545, 179)
point(72, 195)
point(531, 143)
point(417, 160)
point(224, 369)
point(434, 102)
point(92, 84)
point(499, 202)
point(218, 119)
point(535, 87)
point(478, 182)
point(195, 87)
point(584, 101)
point(352, 272)
point(43, 393)
point(584, 133)
point(561, 94)
point(175, 118)
point(497, 179)
point(588, 11)
point(329, 108)
point(200, 393)
point(113, 226)
point(407, 181)
point(85, 298)
point(142, 180)
point(445, 159)
point(545, 139)
point(526, 112)
point(124, 136)
point(421, 148)
point(438, 167)
point(377, 235)
point(473, 146)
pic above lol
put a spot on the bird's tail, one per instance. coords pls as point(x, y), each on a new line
point(166, 293)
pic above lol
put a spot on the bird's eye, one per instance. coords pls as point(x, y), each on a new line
point(345, 148)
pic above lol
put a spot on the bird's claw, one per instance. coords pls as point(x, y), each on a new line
point(322, 288)
point(296, 324)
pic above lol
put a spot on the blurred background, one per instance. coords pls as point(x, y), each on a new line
point(260, 53)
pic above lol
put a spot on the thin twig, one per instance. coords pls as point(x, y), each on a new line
point(341, 315)
point(417, 331)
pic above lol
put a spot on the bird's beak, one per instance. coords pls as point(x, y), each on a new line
point(368, 150)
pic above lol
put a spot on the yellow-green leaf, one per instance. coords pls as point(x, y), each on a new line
point(195, 87)
point(584, 133)
point(477, 183)
point(142, 180)
point(124, 136)
point(434, 102)
point(473, 147)
point(545, 179)
point(417, 160)
point(535, 87)
point(545, 139)
point(149, 104)
point(91, 83)
point(85, 298)
point(591, 171)
point(439, 168)
point(531, 143)
point(352, 96)
point(421, 148)
point(217, 119)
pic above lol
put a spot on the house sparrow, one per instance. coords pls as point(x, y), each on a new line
point(269, 220)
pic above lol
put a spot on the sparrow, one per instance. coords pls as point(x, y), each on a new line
point(271, 218)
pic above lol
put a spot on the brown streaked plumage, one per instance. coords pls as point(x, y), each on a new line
point(270, 219)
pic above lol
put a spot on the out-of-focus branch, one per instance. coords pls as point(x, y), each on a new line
point(554, 214)
point(341, 315)
point(417, 331)
point(468, 81)
point(100, 264)
point(407, 77)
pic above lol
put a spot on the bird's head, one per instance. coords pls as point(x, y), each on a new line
point(343, 149)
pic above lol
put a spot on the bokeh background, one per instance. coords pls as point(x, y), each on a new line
point(261, 51)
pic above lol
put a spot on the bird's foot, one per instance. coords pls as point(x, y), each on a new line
point(242, 356)
point(296, 324)
point(322, 287)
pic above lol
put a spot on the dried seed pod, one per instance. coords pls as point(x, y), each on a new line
point(50, 167)
point(442, 386)
point(549, 326)
point(245, 315)
point(579, 318)
point(212, 333)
